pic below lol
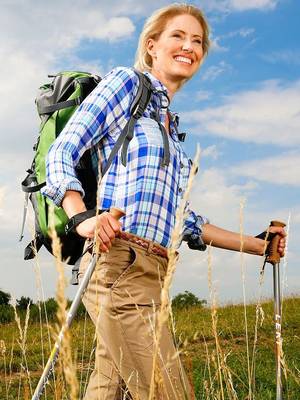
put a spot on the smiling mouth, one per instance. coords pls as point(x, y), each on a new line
point(183, 60)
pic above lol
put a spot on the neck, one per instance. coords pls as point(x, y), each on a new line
point(171, 85)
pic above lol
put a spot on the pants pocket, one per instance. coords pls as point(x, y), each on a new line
point(117, 264)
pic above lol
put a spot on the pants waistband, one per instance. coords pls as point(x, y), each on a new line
point(146, 244)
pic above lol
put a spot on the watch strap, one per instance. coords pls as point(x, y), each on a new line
point(78, 218)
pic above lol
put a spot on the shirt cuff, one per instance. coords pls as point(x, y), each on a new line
point(193, 234)
point(56, 194)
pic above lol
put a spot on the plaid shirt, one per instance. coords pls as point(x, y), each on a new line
point(147, 192)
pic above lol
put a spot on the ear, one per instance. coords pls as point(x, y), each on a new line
point(151, 47)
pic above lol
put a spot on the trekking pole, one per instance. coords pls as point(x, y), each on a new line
point(116, 213)
point(274, 259)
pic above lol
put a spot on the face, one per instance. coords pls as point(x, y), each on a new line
point(178, 52)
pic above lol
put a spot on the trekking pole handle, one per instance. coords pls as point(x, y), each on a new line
point(274, 256)
point(116, 212)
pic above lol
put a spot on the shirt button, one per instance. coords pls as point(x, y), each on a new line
point(180, 190)
point(181, 164)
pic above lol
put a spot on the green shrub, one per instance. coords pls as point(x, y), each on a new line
point(51, 309)
point(187, 299)
point(6, 313)
point(4, 298)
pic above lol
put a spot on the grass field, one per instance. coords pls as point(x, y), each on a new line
point(217, 363)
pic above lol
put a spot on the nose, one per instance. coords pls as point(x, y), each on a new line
point(187, 46)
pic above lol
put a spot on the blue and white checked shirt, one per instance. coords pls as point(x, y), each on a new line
point(147, 192)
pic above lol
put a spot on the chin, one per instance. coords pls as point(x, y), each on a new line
point(182, 75)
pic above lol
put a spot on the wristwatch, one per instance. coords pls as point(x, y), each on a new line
point(78, 218)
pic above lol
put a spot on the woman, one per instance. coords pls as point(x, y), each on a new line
point(124, 293)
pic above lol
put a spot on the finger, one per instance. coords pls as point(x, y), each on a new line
point(104, 238)
point(109, 231)
point(275, 229)
point(114, 223)
point(102, 247)
point(282, 241)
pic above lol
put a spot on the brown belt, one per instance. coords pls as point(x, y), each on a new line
point(144, 243)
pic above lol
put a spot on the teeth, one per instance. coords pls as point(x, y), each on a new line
point(183, 59)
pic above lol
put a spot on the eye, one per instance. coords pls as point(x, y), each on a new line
point(177, 35)
point(199, 41)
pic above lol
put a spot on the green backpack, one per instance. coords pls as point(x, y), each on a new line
point(56, 102)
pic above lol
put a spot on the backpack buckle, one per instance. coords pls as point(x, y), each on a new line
point(182, 136)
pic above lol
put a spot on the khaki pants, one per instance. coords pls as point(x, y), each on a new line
point(122, 299)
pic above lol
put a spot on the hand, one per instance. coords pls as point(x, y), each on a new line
point(282, 241)
point(107, 228)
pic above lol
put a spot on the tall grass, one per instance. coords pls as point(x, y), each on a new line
point(219, 377)
point(67, 364)
point(165, 308)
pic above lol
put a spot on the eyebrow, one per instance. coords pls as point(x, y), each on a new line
point(181, 31)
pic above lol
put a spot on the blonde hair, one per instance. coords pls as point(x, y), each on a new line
point(156, 24)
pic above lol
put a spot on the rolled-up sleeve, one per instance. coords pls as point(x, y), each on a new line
point(192, 228)
point(99, 113)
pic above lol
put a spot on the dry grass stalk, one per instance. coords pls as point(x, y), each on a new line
point(69, 366)
point(83, 353)
point(242, 205)
point(41, 300)
point(10, 365)
point(284, 366)
point(223, 372)
point(208, 385)
point(89, 367)
point(3, 354)
point(214, 318)
point(165, 307)
point(22, 342)
point(259, 319)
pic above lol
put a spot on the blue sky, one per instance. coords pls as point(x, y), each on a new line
point(243, 108)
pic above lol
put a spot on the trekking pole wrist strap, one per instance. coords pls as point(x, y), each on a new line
point(266, 235)
point(78, 218)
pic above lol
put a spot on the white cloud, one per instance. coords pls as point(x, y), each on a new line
point(269, 114)
point(137, 7)
point(243, 32)
point(203, 95)
point(211, 152)
point(213, 72)
point(283, 56)
point(212, 193)
point(283, 169)
point(63, 27)
point(2, 193)
point(244, 5)
point(226, 6)
point(41, 38)
point(215, 45)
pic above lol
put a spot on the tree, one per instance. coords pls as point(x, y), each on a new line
point(187, 299)
point(23, 302)
point(4, 298)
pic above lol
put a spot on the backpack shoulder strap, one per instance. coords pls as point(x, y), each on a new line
point(137, 109)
